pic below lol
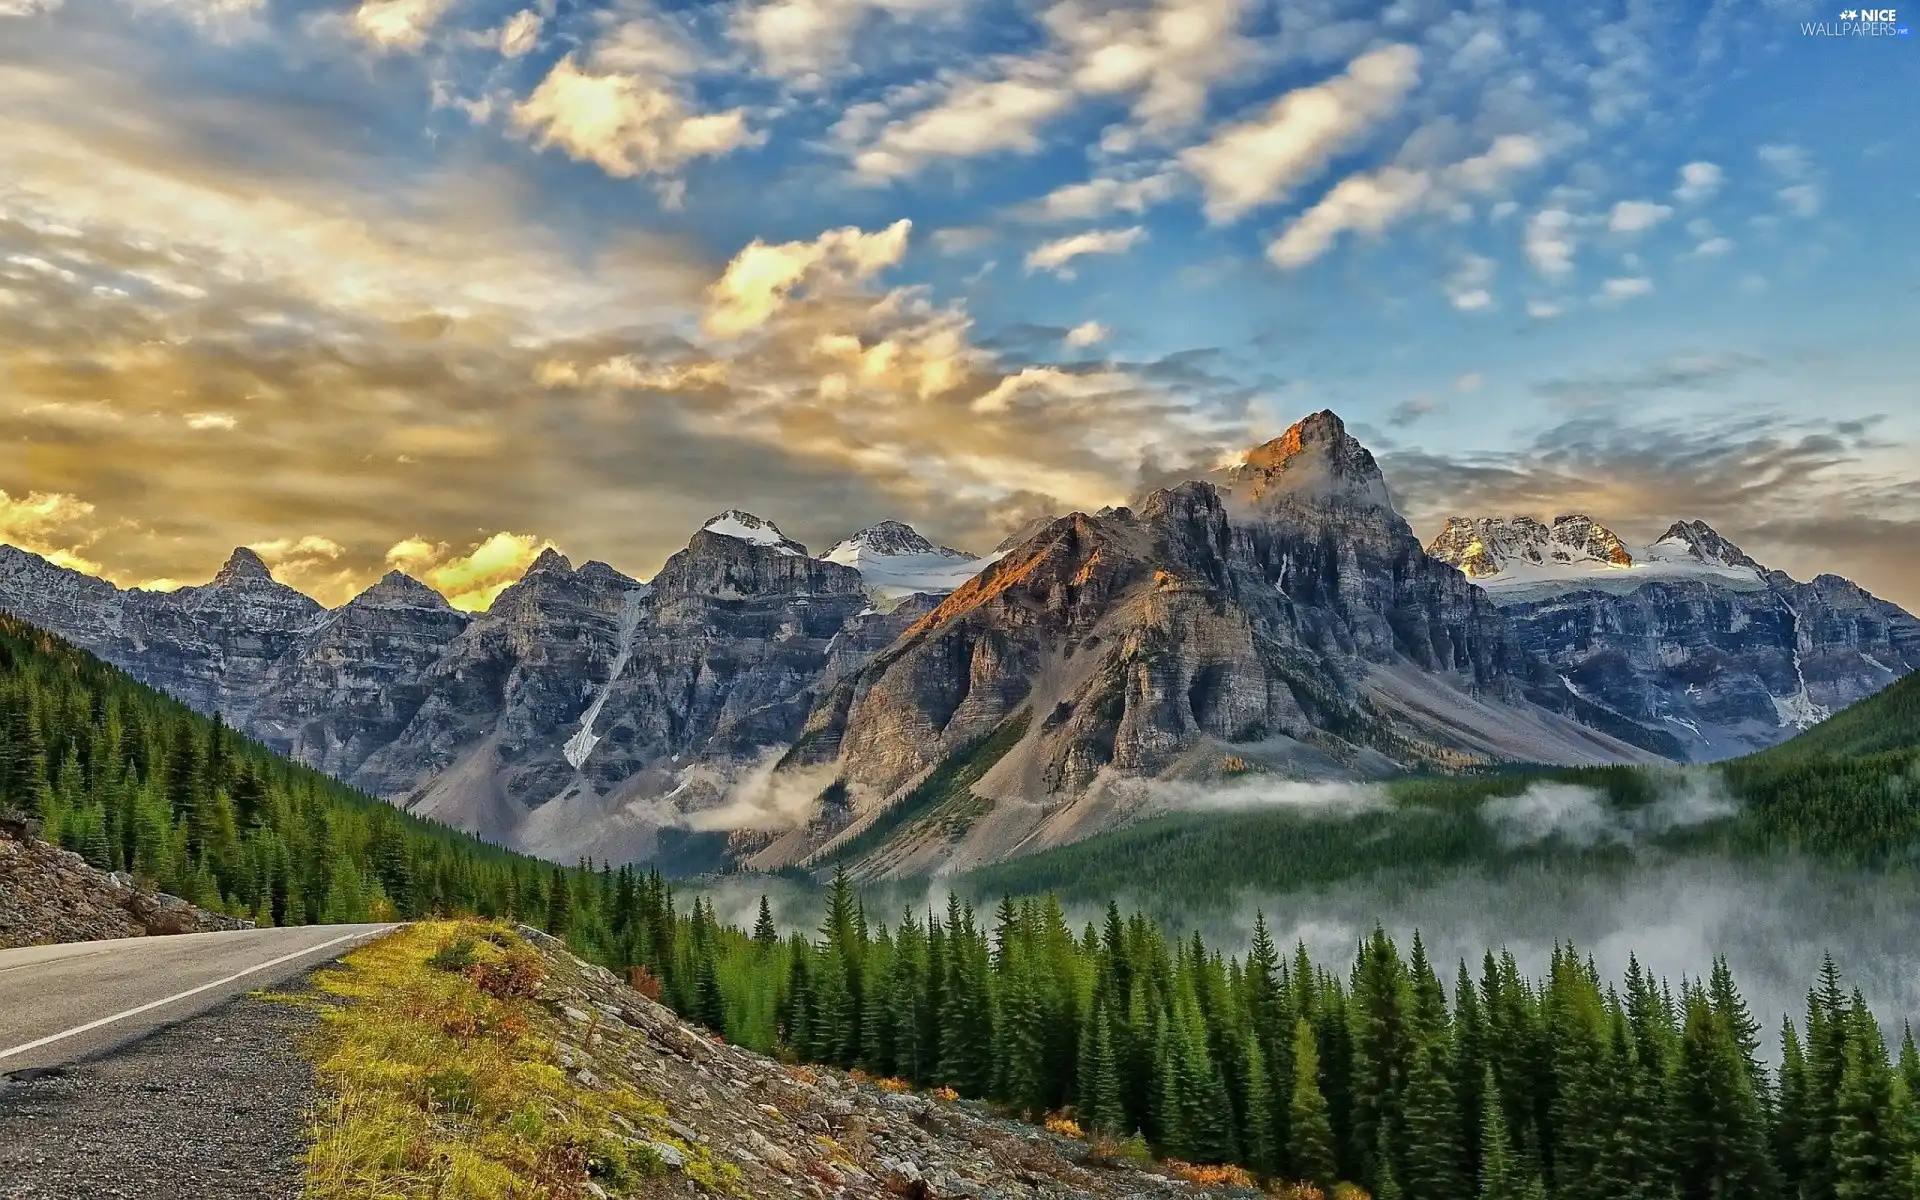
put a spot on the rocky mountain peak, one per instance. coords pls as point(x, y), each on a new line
point(1699, 540)
point(600, 575)
point(243, 566)
point(758, 531)
point(397, 589)
point(1316, 462)
point(550, 561)
point(1487, 546)
point(889, 539)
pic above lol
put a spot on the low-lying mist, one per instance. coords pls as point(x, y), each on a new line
point(1773, 921)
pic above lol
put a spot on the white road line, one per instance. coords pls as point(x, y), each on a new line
point(149, 1007)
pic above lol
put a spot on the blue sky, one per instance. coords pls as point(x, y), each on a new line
point(432, 283)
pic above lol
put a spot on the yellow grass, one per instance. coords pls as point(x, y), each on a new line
point(439, 1084)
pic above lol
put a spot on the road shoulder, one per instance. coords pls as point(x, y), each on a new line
point(212, 1108)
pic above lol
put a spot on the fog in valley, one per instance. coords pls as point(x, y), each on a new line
point(1773, 920)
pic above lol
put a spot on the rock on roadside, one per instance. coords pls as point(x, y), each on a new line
point(50, 895)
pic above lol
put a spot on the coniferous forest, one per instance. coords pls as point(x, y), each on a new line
point(1402, 1076)
point(1408, 1078)
point(140, 783)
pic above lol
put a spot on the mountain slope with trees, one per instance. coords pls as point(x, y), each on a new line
point(134, 781)
point(1414, 1079)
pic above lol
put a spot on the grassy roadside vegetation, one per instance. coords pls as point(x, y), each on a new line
point(442, 1080)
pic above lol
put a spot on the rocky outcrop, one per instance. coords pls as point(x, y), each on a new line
point(1689, 634)
point(50, 895)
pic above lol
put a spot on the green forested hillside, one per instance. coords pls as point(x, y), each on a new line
point(1888, 721)
point(138, 782)
point(1847, 791)
point(1416, 1080)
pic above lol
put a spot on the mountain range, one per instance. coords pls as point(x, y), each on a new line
point(918, 708)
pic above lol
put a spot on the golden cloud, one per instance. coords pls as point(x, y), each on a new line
point(471, 581)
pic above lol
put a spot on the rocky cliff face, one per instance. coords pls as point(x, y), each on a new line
point(1689, 634)
point(1284, 616)
point(577, 715)
point(586, 711)
point(349, 686)
point(211, 646)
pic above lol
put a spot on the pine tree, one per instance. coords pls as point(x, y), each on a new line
point(764, 934)
point(1870, 1152)
point(559, 905)
point(1502, 1176)
point(1100, 1105)
point(1431, 1156)
point(1310, 1153)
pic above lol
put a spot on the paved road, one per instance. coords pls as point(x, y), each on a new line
point(59, 1004)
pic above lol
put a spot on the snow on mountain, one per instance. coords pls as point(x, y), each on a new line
point(748, 528)
point(1524, 559)
point(895, 561)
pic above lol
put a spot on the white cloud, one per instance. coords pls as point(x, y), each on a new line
point(1042, 384)
point(976, 117)
point(211, 420)
point(761, 278)
point(1549, 241)
point(1366, 203)
point(624, 123)
point(1712, 247)
point(1102, 195)
point(1087, 333)
point(1057, 254)
point(1486, 172)
point(520, 36)
point(1542, 310)
point(1633, 216)
point(1252, 163)
point(1467, 289)
point(1624, 288)
point(801, 40)
point(1469, 382)
point(1785, 159)
point(1167, 54)
point(48, 524)
point(27, 8)
point(281, 549)
point(469, 581)
point(1698, 181)
point(635, 373)
point(397, 25)
point(1801, 199)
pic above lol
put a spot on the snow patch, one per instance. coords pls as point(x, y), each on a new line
point(748, 528)
point(896, 562)
point(581, 744)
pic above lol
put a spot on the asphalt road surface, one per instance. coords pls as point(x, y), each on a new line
point(60, 1004)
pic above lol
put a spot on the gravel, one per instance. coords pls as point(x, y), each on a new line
point(211, 1108)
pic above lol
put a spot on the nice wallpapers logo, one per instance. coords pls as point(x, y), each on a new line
point(1859, 22)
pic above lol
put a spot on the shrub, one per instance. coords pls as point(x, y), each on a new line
point(456, 954)
point(643, 981)
point(1209, 1176)
point(1064, 1125)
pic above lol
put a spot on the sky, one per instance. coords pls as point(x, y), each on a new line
point(432, 284)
